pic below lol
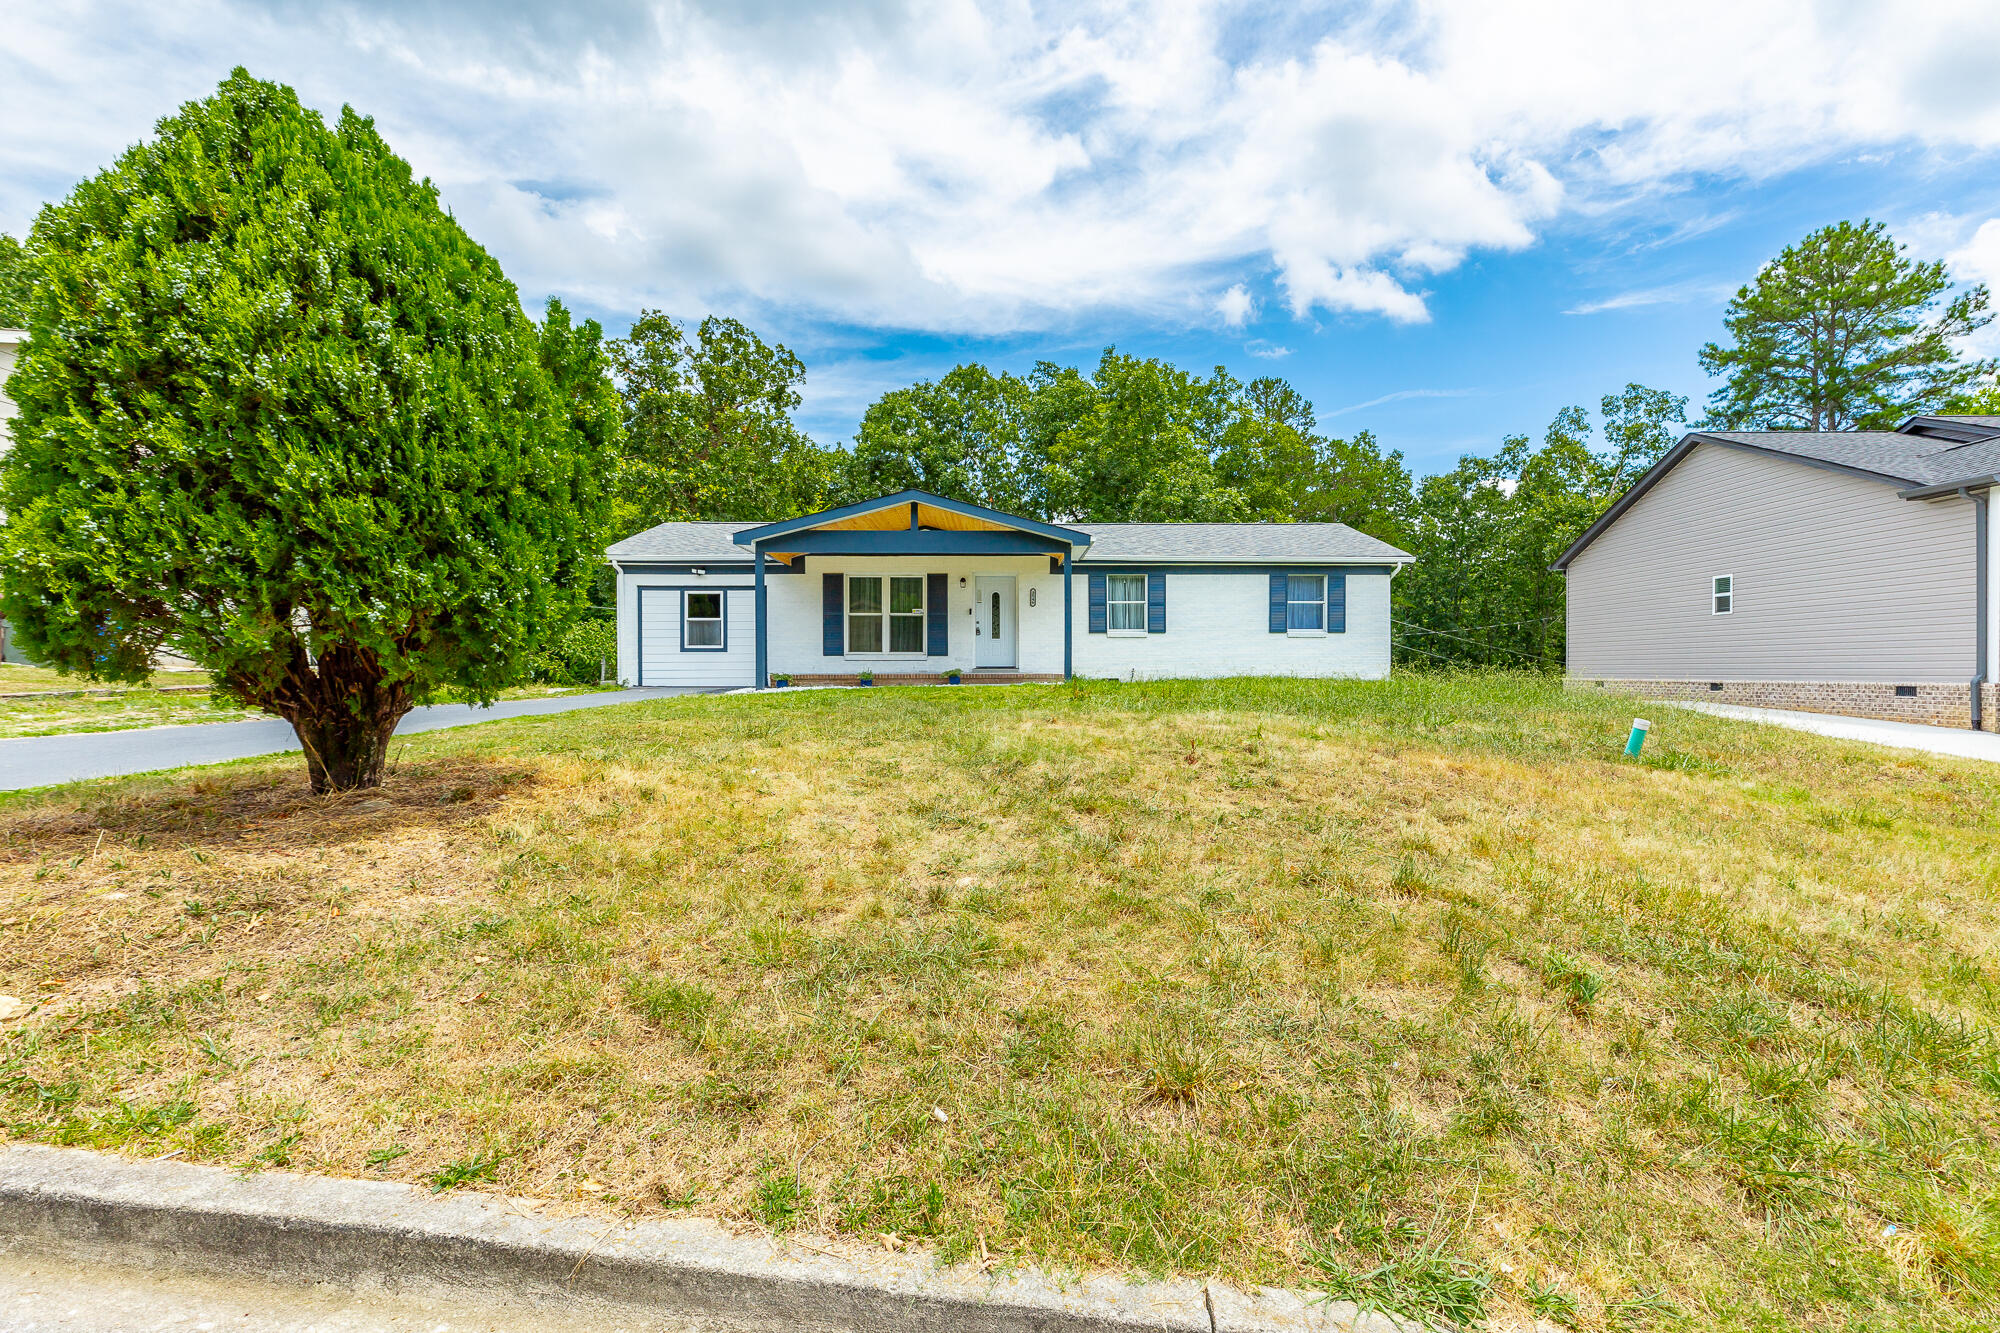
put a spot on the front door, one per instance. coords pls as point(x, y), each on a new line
point(993, 613)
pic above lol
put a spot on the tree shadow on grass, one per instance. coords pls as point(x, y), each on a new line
point(159, 880)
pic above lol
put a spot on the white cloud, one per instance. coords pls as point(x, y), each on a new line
point(1674, 293)
point(1969, 244)
point(990, 167)
point(1978, 260)
point(1236, 306)
point(1401, 395)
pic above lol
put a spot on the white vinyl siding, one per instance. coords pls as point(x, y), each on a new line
point(660, 629)
point(1832, 577)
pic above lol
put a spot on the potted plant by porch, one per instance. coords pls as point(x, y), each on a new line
point(954, 676)
point(864, 678)
point(780, 679)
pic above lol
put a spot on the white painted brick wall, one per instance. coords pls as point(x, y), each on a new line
point(1217, 624)
point(1220, 625)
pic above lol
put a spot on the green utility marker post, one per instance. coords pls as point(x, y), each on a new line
point(1640, 726)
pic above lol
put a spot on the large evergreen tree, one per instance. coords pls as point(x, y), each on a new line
point(280, 415)
point(1844, 331)
point(14, 283)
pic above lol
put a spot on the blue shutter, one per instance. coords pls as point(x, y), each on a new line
point(1280, 582)
point(833, 606)
point(1336, 603)
point(1156, 603)
point(1097, 604)
point(935, 625)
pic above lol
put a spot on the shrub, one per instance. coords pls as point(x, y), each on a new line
point(583, 654)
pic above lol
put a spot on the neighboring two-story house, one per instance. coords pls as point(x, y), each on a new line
point(1842, 572)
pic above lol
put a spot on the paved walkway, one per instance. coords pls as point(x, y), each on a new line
point(1897, 735)
point(41, 761)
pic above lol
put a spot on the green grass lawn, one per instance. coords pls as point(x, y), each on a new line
point(51, 708)
point(1415, 991)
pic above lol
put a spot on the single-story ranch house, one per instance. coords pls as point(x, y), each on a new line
point(1841, 572)
point(912, 585)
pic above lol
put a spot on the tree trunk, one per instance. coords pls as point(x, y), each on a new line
point(345, 753)
point(344, 713)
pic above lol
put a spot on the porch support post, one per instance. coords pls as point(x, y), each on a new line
point(1069, 611)
point(763, 663)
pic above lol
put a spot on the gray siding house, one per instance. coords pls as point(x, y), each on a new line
point(1839, 572)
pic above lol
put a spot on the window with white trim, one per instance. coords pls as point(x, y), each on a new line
point(1305, 604)
point(897, 627)
point(1723, 594)
point(1125, 603)
point(701, 620)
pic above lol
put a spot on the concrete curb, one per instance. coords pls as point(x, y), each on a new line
point(96, 1207)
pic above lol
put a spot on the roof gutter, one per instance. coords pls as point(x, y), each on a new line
point(1945, 488)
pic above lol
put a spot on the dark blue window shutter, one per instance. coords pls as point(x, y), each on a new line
point(833, 606)
point(1279, 585)
point(935, 624)
point(1097, 604)
point(1336, 603)
point(1156, 603)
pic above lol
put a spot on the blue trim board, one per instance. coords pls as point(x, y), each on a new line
point(1069, 615)
point(1067, 536)
point(689, 567)
point(929, 541)
point(762, 677)
point(1262, 567)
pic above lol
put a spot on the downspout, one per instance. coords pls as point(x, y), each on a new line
point(1980, 584)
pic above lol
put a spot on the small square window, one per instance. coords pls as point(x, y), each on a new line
point(701, 620)
point(1906, 691)
point(1724, 594)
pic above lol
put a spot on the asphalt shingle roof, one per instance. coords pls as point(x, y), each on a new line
point(1182, 543)
point(1906, 458)
point(1229, 543)
point(680, 543)
point(1916, 460)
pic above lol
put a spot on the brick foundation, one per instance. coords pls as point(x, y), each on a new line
point(926, 678)
point(1933, 703)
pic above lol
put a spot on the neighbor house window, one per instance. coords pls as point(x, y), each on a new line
point(1305, 602)
point(1725, 594)
point(701, 620)
point(1125, 602)
point(866, 614)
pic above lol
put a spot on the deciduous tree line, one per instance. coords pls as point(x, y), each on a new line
point(1841, 331)
point(279, 414)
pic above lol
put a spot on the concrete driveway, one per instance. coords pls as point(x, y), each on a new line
point(1898, 735)
point(41, 761)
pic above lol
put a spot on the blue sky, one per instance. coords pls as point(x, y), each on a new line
point(1443, 221)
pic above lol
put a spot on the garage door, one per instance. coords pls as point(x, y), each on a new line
point(697, 636)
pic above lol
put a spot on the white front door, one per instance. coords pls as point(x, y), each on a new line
point(993, 615)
